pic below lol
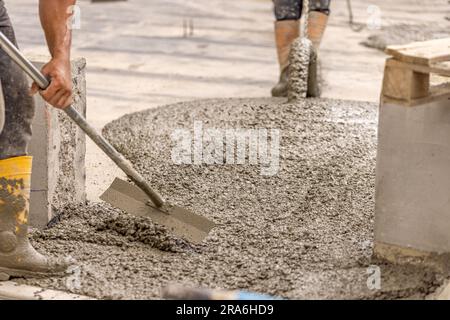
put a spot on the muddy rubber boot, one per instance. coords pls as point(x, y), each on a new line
point(317, 24)
point(281, 88)
point(286, 31)
point(17, 257)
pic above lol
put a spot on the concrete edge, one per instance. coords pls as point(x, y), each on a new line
point(10, 290)
point(401, 255)
point(404, 255)
point(395, 253)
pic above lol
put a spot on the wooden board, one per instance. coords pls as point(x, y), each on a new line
point(405, 84)
point(423, 53)
point(440, 68)
point(437, 93)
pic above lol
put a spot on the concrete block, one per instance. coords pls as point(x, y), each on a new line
point(413, 177)
point(58, 148)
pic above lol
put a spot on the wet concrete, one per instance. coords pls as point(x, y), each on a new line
point(305, 232)
point(299, 60)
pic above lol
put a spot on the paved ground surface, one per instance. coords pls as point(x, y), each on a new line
point(13, 291)
point(138, 58)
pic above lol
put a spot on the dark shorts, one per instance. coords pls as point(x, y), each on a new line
point(292, 9)
point(19, 106)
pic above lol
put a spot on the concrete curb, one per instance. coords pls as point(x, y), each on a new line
point(59, 148)
point(13, 291)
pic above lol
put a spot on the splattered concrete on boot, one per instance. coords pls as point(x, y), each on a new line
point(305, 232)
point(299, 60)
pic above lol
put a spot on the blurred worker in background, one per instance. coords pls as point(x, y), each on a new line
point(287, 29)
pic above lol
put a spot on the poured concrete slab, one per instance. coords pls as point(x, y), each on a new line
point(304, 231)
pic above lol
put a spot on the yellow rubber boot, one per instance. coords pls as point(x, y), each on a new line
point(17, 257)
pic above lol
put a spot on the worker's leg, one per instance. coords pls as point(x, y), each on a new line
point(17, 256)
point(287, 9)
point(19, 107)
point(287, 29)
point(318, 18)
point(317, 22)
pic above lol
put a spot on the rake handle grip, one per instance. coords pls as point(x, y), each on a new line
point(42, 81)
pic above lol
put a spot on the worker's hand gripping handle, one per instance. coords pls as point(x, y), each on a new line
point(37, 76)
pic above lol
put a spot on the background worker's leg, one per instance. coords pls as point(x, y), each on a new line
point(287, 9)
point(287, 29)
point(320, 6)
point(19, 106)
point(317, 22)
point(318, 18)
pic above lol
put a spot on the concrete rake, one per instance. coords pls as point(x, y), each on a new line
point(139, 199)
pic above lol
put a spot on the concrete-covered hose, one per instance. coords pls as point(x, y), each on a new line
point(300, 58)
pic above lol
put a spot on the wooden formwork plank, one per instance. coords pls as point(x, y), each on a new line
point(405, 84)
point(407, 74)
point(440, 92)
point(424, 52)
point(440, 68)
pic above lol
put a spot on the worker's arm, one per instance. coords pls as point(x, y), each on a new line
point(54, 16)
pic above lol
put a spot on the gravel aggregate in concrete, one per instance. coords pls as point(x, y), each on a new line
point(305, 232)
point(299, 60)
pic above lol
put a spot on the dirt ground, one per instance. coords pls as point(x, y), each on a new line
point(137, 62)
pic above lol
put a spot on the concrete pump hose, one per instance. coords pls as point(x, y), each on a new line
point(305, 18)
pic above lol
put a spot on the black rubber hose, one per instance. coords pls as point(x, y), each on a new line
point(354, 26)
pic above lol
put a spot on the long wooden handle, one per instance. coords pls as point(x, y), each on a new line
point(37, 76)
